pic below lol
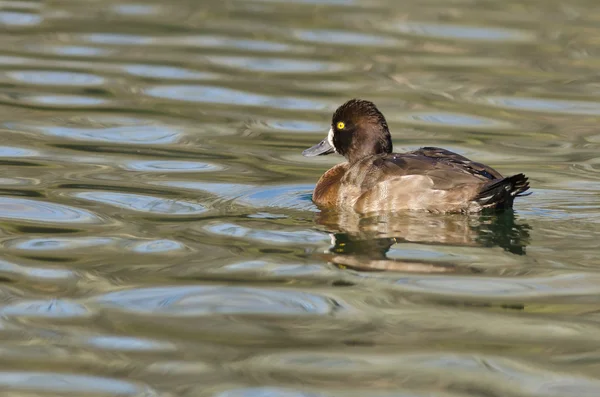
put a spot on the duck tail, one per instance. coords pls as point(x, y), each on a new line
point(501, 193)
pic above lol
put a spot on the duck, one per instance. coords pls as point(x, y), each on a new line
point(374, 178)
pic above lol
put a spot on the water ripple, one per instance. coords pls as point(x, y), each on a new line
point(127, 344)
point(268, 236)
point(277, 65)
point(56, 243)
point(6, 151)
point(31, 273)
point(135, 9)
point(140, 203)
point(569, 284)
point(106, 129)
point(157, 234)
point(418, 371)
point(21, 19)
point(58, 100)
point(117, 39)
point(545, 105)
point(168, 72)
point(67, 50)
point(319, 2)
point(442, 119)
point(240, 44)
point(267, 392)
point(206, 300)
point(285, 196)
point(19, 209)
point(229, 96)
point(156, 246)
point(41, 77)
point(340, 37)
point(462, 32)
point(296, 126)
point(199, 41)
point(54, 382)
point(54, 308)
point(65, 245)
point(169, 166)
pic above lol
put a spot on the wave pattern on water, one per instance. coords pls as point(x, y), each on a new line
point(157, 233)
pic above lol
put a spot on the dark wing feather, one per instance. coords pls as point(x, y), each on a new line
point(456, 160)
point(443, 182)
point(444, 175)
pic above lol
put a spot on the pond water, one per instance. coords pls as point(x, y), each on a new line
point(156, 226)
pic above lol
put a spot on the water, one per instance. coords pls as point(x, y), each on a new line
point(156, 230)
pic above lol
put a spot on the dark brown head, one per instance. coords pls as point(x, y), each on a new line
point(358, 129)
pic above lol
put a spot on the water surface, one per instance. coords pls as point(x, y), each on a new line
point(157, 232)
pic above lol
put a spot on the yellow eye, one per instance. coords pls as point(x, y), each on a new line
point(340, 125)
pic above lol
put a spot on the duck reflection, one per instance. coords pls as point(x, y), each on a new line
point(363, 242)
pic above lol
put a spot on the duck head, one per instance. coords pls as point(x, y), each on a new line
point(358, 130)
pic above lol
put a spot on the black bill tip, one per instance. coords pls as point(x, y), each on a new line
point(320, 149)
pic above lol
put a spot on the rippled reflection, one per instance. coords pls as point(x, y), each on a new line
point(366, 243)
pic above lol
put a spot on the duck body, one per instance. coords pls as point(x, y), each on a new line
point(429, 179)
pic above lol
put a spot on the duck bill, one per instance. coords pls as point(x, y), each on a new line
point(320, 149)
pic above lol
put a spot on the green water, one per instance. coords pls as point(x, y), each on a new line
point(156, 229)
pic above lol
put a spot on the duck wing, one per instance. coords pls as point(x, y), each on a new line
point(431, 172)
point(431, 179)
point(456, 160)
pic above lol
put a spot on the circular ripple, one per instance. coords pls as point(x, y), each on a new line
point(205, 300)
point(156, 246)
point(57, 243)
point(41, 211)
point(169, 166)
point(139, 203)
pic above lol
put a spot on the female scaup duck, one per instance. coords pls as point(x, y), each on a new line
point(375, 179)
